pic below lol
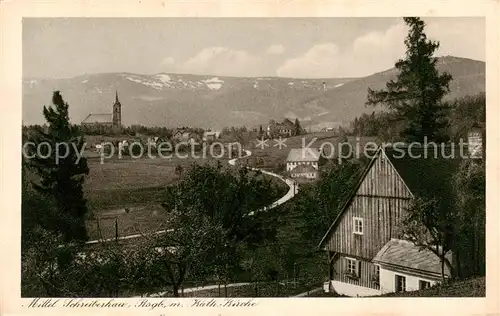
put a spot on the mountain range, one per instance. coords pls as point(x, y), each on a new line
point(213, 101)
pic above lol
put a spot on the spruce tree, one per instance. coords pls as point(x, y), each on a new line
point(298, 128)
point(62, 175)
point(415, 97)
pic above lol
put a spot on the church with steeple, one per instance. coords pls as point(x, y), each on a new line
point(117, 112)
point(113, 119)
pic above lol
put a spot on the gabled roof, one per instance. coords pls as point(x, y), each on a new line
point(402, 253)
point(303, 169)
point(431, 175)
point(288, 123)
point(425, 172)
point(303, 154)
point(98, 118)
point(344, 206)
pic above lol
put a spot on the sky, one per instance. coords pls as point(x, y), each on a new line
point(242, 47)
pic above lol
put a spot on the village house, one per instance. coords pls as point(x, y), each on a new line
point(177, 135)
point(277, 129)
point(186, 136)
point(108, 120)
point(210, 136)
point(367, 253)
point(306, 172)
point(305, 158)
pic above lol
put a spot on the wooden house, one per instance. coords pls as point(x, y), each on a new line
point(367, 253)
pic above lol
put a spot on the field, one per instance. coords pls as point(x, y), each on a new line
point(116, 183)
point(127, 193)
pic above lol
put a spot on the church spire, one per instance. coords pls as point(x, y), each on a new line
point(117, 112)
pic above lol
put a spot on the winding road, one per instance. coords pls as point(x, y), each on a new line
point(293, 187)
point(292, 191)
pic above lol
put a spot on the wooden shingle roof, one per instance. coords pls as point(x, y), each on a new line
point(426, 172)
point(429, 176)
point(401, 253)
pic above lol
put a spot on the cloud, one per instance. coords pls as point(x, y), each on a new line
point(221, 61)
point(276, 49)
point(461, 37)
point(320, 60)
point(369, 53)
point(379, 50)
point(375, 51)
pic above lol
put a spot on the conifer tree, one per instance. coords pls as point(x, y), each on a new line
point(62, 172)
point(298, 128)
point(416, 95)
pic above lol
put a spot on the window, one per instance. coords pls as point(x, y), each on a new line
point(358, 225)
point(424, 284)
point(351, 266)
point(376, 277)
point(400, 283)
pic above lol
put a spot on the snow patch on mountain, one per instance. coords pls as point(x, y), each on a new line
point(161, 81)
point(150, 83)
point(164, 78)
point(85, 81)
point(134, 79)
point(338, 85)
point(214, 83)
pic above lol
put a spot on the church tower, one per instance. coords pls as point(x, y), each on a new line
point(117, 113)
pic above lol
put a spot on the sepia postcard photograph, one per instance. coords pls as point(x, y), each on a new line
point(216, 162)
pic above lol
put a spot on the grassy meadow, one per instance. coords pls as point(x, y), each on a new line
point(130, 191)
